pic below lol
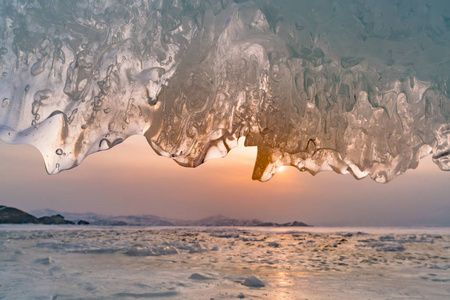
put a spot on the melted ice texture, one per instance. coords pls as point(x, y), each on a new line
point(354, 86)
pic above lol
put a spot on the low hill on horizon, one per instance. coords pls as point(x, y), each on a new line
point(153, 220)
point(11, 215)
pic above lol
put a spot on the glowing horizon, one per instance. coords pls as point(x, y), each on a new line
point(131, 179)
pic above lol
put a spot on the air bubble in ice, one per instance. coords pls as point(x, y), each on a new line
point(5, 102)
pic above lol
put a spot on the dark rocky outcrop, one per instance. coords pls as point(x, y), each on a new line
point(11, 215)
point(54, 220)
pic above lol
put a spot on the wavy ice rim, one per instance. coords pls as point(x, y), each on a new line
point(350, 86)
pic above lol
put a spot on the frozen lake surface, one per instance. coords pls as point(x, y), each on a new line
point(63, 262)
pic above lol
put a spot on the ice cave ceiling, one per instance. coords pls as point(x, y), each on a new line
point(354, 86)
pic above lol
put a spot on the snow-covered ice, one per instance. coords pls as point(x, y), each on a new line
point(62, 262)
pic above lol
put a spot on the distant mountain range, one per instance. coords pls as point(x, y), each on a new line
point(152, 220)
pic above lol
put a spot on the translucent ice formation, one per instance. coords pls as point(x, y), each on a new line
point(354, 86)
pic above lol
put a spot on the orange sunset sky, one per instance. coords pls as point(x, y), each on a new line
point(132, 179)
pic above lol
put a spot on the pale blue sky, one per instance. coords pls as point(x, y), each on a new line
point(132, 179)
